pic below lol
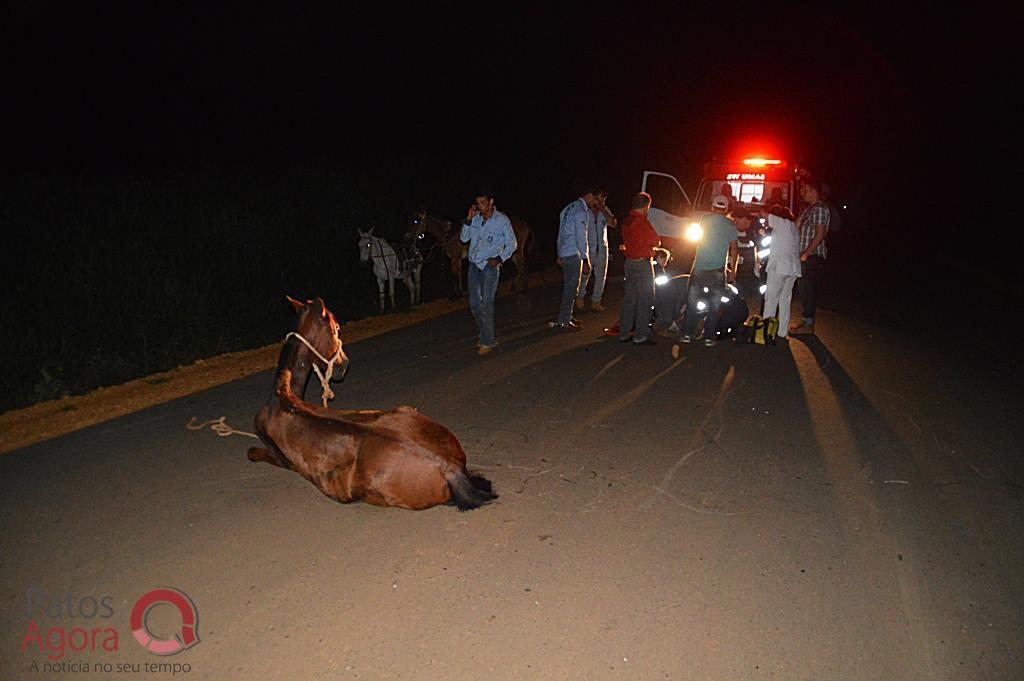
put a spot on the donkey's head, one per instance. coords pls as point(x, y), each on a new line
point(365, 245)
point(321, 330)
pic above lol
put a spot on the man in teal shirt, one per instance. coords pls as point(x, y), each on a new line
point(711, 271)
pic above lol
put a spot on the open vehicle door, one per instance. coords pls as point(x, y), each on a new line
point(671, 204)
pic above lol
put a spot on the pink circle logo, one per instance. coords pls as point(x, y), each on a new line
point(184, 638)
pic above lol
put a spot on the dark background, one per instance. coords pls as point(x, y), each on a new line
point(169, 174)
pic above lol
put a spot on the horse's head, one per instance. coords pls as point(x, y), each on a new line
point(417, 226)
point(321, 330)
point(365, 245)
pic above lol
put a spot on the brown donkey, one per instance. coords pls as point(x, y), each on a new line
point(386, 458)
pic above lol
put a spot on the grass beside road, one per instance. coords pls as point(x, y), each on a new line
point(23, 427)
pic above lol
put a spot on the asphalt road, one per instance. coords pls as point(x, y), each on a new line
point(846, 507)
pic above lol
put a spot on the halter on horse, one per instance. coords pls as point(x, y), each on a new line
point(388, 265)
point(386, 458)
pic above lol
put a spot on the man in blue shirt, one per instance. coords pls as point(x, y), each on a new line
point(711, 271)
point(574, 253)
point(597, 242)
point(491, 242)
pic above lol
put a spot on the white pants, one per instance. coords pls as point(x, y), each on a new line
point(779, 296)
point(599, 271)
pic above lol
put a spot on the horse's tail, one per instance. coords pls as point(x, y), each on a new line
point(469, 490)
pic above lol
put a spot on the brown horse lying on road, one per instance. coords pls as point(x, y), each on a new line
point(386, 458)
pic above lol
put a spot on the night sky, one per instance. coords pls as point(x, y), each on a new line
point(913, 102)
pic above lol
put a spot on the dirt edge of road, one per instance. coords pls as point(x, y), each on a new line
point(23, 427)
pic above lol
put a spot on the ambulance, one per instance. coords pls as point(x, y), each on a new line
point(754, 182)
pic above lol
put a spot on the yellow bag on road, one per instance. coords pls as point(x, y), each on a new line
point(762, 330)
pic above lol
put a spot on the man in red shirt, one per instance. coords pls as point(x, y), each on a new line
point(638, 242)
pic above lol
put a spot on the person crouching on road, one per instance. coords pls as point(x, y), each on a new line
point(573, 254)
point(638, 242)
point(783, 265)
point(669, 293)
point(597, 241)
point(717, 249)
point(491, 242)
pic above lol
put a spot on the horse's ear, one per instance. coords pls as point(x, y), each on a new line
point(370, 233)
point(296, 305)
point(323, 306)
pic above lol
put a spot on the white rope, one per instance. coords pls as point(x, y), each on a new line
point(325, 377)
point(218, 426)
point(224, 430)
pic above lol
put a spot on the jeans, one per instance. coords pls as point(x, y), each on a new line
point(635, 315)
point(714, 281)
point(483, 286)
point(572, 270)
point(598, 272)
point(812, 271)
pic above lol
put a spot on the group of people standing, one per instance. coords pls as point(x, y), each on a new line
point(798, 250)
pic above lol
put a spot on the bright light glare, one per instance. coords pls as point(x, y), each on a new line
point(733, 289)
point(764, 287)
point(767, 240)
point(705, 289)
point(724, 299)
point(694, 232)
point(661, 279)
point(701, 305)
point(764, 254)
point(761, 162)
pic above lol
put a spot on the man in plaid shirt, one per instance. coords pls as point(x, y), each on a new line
point(813, 226)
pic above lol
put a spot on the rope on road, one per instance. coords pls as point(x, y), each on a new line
point(218, 426)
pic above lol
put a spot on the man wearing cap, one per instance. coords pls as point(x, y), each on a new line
point(711, 271)
point(491, 242)
point(573, 253)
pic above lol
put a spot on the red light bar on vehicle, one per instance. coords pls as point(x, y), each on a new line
point(761, 162)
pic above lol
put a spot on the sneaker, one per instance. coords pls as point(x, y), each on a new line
point(645, 341)
point(485, 349)
point(675, 351)
point(673, 328)
point(611, 330)
point(597, 307)
point(685, 339)
point(579, 303)
point(709, 342)
point(802, 330)
point(571, 326)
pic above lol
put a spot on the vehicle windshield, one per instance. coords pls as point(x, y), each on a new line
point(760, 192)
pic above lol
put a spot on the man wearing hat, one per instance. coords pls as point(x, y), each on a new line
point(711, 270)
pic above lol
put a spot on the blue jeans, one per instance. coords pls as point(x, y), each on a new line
point(714, 281)
point(572, 271)
point(598, 272)
point(483, 286)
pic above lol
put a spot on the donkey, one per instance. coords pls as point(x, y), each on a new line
point(385, 458)
point(388, 266)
